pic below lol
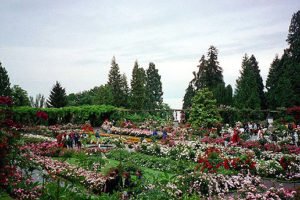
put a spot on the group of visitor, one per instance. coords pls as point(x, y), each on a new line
point(164, 133)
point(71, 139)
point(257, 132)
point(107, 125)
point(294, 131)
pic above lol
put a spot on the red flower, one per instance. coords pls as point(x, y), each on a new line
point(41, 114)
point(226, 164)
point(5, 100)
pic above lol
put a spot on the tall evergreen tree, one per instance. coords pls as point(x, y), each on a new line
point(209, 76)
point(209, 73)
point(247, 88)
point(293, 38)
point(189, 94)
point(115, 83)
point(272, 83)
point(200, 78)
point(283, 83)
point(254, 64)
point(214, 71)
point(4, 82)
point(228, 95)
point(20, 96)
point(125, 90)
point(153, 87)
point(293, 66)
point(138, 88)
point(58, 97)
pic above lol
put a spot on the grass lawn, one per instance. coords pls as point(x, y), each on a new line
point(149, 174)
point(4, 196)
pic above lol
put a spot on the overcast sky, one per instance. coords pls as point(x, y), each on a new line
point(74, 41)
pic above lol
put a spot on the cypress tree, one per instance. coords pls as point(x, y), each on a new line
point(125, 91)
point(210, 76)
point(293, 38)
point(228, 95)
point(214, 71)
point(115, 83)
point(283, 83)
point(259, 81)
point(247, 88)
point(154, 91)
point(200, 78)
point(138, 88)
point(272, 82)
point(209, 73)
point(293, 66)
point(189, 94)
point(58, 97)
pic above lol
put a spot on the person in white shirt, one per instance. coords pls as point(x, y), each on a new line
point(296, 139)
point(259, 134)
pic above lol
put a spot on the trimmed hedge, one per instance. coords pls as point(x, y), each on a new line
point(77, 115)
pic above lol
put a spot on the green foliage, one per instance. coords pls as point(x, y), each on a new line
point(80, 98)
point(204, 112)
point(280, 83)
point(283, 83)
point(79, 115)
point(189, 94)
point(223, 94)
point(4, 195)
point(138, 88)
point(4, 82)
point(103, 95)
point(214, 74)
point(66, 191)
point(293, 38)
point(153, 88)
point(162, 164)
point(20, 96)
point(58, 97)
point(153, 194)
point(209, 76)
point(125, 91)
point(96, 96)
point(115, 83)
point(248, 88)
point(258, 79)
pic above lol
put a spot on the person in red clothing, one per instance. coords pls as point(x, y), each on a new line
point(235, 137)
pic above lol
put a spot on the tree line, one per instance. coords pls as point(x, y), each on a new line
point(282, 87)
point(145, 91)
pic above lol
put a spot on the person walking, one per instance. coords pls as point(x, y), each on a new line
point(97, 134)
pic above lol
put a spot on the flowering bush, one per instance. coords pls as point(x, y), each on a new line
point(269, 168)
point(251, 144)
point(44, 148)
point(90, 179)
point(4, 100)
point(42, 115)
